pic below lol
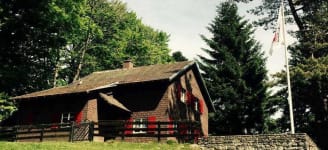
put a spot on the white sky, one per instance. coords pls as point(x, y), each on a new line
point(186, 20)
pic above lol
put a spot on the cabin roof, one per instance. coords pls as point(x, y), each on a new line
point(111, 78)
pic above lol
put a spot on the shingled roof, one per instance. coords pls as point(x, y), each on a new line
point(108, 78)
point(111, 78)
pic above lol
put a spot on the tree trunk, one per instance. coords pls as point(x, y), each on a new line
point(79, 67)
point(86, 44)
point(295, 15)
point(56, 74)
point(56, 69)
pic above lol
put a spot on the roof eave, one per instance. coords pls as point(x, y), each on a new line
point(182, 71)
point(43, 96)
point(204, 88)
point(108, 86)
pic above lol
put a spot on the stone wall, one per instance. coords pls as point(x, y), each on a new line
point(299, 141)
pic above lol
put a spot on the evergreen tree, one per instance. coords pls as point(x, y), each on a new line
point(309, 74)
point(307, 65)
point(234, 74)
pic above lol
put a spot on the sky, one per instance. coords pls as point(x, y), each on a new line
point(186, 20)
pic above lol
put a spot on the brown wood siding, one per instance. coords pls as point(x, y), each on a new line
point(181, 111)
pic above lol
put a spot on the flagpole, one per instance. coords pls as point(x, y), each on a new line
point(290, 102)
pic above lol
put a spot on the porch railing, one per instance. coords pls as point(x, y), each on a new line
point(38, 132)
point(183, 131)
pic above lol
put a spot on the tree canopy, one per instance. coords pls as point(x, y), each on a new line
point(49, 43)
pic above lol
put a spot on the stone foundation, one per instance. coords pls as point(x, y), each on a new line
point(299, 141)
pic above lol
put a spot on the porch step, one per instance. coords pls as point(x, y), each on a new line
point(98, 139)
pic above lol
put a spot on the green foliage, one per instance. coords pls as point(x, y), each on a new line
point(234, 74)
point(52, 42)
point(310, 98)
point(296, 11)
point(171, 142)
point(310, 16)
point(7, 107)
point(308, 65)
point(313, 40)
point(31, 34)
point(117, 35)
point(177, 56)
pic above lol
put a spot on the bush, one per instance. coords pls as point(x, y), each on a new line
point(7, 106)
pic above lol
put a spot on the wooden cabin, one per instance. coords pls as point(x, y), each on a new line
point(162, 92)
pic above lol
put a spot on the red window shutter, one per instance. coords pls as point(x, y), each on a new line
point(170, 126)
point(201, 106)
point(128, 126)
point(151, 124)
point(78, 117)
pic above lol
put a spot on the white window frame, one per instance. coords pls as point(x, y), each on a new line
point(196, 105)
point(183, 95)
point(67, 117)
point(142, 124)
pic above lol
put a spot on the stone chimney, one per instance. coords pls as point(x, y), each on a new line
point(127, 64)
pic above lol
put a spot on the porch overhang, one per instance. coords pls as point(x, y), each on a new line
point(114, 102)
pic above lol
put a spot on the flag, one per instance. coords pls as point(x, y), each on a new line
point(279, 35)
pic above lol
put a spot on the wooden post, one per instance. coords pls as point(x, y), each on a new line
point(178, 131)
point(194, 132)
point(71, 135)
point(15, 133)
point(41, 134)
point(189, 130)
point(123, 131)
point(158, 131)
point(199, 131)
point(91, 131)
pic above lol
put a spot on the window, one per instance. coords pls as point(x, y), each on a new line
point(141, 124)
point(183, 95)
point(196, 105)
point(66, 117)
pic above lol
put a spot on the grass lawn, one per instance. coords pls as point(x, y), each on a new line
point(93, 146)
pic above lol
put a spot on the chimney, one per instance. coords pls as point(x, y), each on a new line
point(127, 64)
